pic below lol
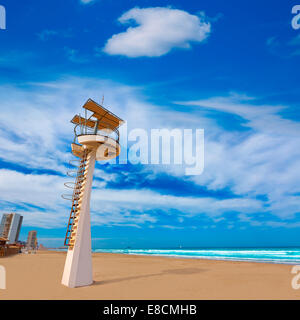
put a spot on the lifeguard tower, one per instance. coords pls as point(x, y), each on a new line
point(96, 138)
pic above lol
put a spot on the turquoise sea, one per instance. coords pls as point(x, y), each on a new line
point(271, 255)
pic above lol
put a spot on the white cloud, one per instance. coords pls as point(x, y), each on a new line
point(35, 132)
point(109, 206)
point(146, 200)
point(158, 31)
point(262, 161)
point(35, 128)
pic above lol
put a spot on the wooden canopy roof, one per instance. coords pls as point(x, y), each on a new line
point(106, 118)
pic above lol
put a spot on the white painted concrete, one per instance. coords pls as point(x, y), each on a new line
point(2, 278)
point(103, 144)
point(78, 266)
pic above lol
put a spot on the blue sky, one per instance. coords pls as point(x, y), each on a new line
point(231, 68)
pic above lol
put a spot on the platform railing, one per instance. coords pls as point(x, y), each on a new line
point(108, 130)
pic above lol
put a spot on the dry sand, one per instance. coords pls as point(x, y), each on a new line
point(38, 276)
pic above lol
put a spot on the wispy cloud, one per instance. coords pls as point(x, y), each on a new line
point(46, 34)
point(260, 159)
point(73, 55)
point(295, 41)
point(87, 1)
point(158, 31)
point(255, 162)
point(283, 48)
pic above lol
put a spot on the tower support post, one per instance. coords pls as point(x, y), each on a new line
point(78, 266)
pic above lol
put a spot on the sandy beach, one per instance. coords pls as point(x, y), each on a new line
point(38, 276)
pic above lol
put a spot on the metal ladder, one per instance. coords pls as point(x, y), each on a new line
point(76, 197)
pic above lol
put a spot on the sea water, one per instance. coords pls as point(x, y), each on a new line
point(271, 255)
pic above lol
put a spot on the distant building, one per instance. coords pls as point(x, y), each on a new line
point(32, 240)
point(10, 227)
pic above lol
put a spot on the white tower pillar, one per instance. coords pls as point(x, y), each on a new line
point(78, 266)
point(98, 140)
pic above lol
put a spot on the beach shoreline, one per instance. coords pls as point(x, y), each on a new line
point(282, 255)
point(121, 276)
point(206, 259)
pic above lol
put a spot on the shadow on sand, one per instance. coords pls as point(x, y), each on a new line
point(185, 271)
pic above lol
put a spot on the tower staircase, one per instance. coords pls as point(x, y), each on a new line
point(77, 197)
